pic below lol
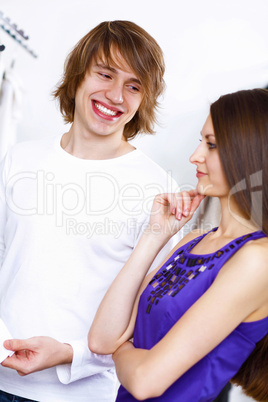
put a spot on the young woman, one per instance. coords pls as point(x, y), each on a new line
point(202, 318)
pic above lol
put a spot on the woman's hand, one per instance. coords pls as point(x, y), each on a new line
point(171, 211)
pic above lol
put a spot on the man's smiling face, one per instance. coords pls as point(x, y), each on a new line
point(108, 98)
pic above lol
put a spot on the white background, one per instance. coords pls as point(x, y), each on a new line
point(211, 47)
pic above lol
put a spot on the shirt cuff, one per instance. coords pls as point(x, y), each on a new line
point(84, 364)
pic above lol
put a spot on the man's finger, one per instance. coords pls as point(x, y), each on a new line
point(16, 344)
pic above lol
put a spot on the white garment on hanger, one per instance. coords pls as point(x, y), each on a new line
point(10, 110)
point(2, 69)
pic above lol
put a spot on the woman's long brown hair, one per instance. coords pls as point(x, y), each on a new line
point(240, 122)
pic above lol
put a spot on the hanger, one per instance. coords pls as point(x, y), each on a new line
point(17, 34)
point(13, 26)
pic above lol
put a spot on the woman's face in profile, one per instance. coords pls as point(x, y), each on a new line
point(209, 172)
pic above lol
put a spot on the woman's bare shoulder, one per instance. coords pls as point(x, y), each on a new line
point(252, 258)
point(248, 268)
point(256, 248)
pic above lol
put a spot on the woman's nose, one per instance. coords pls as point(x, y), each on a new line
point(198, 155)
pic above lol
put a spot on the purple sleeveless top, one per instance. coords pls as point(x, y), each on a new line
point(174, 288)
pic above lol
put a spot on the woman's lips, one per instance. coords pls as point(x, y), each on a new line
point(200, 174)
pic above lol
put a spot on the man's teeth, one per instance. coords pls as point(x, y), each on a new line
point(104, 110)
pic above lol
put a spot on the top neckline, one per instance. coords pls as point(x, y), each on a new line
point(67, 155)
point(255, 235)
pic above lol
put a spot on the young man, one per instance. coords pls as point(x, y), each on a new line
point(71, 211)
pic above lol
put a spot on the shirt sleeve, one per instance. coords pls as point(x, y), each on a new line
point(84, 364)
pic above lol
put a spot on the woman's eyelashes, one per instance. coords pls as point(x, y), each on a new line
point(211, 145)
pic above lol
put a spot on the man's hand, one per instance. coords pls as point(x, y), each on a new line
point(36, 354)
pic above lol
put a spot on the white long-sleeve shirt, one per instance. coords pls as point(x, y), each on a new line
point(67, 226)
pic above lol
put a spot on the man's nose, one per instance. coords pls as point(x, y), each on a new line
point(115, 93)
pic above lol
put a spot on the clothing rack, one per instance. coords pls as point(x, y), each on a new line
point(17, 34)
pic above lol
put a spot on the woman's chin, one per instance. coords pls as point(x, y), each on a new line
point(205, 190)
point(201, 189)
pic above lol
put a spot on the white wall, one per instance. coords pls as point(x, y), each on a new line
point(211, 47)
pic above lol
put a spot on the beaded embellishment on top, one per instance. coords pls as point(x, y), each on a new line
point(183, 268)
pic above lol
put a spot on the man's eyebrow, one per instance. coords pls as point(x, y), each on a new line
point(106, 67)
point(114, 70)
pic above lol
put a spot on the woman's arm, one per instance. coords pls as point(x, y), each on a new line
point(114, 320)
point(235, 296)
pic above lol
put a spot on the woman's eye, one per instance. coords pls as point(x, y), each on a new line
point(211, 145)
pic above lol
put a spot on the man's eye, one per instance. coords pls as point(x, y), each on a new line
point(134, 88)
point(104, 75)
